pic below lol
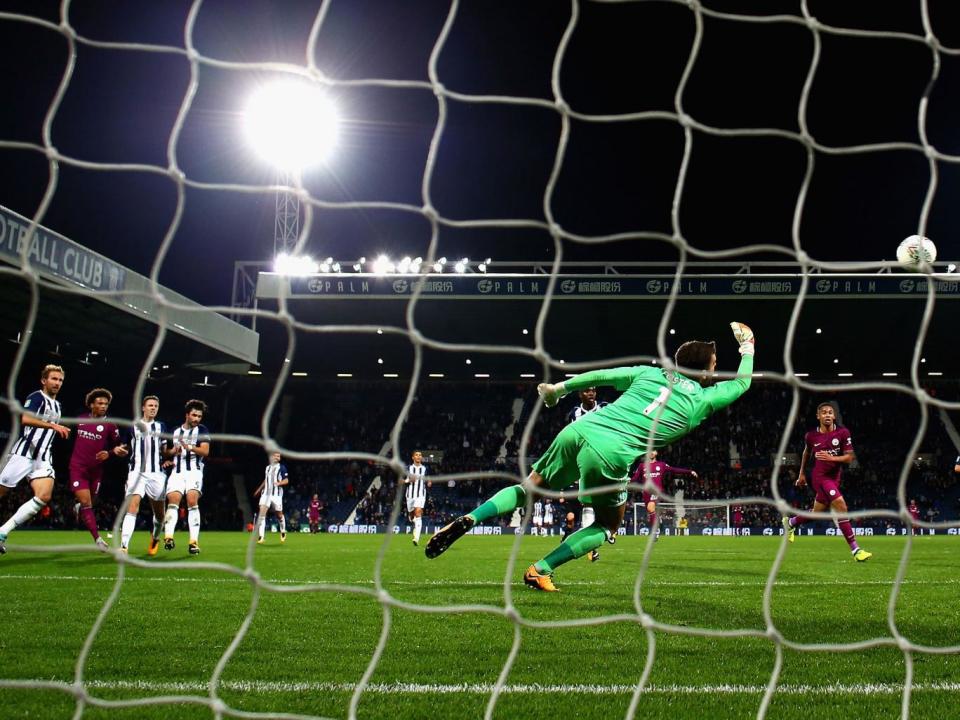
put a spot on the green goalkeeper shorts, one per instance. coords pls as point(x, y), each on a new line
point(570, 459)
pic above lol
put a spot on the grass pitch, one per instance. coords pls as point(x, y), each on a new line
point(318, 623)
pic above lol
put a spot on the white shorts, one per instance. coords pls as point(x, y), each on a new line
point(272, 502)
point(19, 467)
point(150, 485)
point(184, 482)
point(548, 519)
point(414, 503)
point(538, 520)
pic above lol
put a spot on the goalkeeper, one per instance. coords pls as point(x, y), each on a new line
point(599, 449)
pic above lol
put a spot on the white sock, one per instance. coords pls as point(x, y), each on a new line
point(170, 520)
point(24, 514)
point(126, 529)
point(193, 522)
point(262, 525)
point(157, 524)
point(283, 523)
point(586, 517)
point(417, 525)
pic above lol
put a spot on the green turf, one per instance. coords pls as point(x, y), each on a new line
point(305, 651)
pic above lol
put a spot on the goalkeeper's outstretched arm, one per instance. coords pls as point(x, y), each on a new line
point(620, 378)
point(724, 393)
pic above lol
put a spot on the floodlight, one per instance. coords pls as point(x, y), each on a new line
point(295, 265)
point(382, 265)
point(291, 124)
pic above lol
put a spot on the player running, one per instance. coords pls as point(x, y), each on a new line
point(588, 404)
point(145, 476)
point(96, 440)
point(656, 471)
point(599, 449)
point(31, 455)
point(190, 447)
point(275, 477)
point(416, 493)
point(832, 448)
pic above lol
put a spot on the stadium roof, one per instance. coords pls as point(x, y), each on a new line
point(88, 303)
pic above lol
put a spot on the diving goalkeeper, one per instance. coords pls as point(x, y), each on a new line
point(599, 449)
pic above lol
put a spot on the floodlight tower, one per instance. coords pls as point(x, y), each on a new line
point(286, 226)
point(292, 125)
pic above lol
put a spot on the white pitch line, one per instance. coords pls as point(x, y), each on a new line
point(487, 688)
point(164, 577)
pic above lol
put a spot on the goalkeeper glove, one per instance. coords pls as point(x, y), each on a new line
point(743, 335)
point(550, 393)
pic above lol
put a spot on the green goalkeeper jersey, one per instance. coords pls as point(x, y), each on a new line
point(620, 431)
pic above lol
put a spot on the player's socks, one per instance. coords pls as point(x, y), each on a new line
point(89, 521)
point(577, 545)
point(193, 523)
point(847, 529)
point(24, 514)
point(417, 527)
point(170, 520)
point(796, 521)
point(127, 528)
point(651, 519)
point(507, 500)
point(261, 526)
point(283, 525)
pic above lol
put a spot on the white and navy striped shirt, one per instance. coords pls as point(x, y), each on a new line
point(275, 472)
point(188, 460)
point(35, 443)
point(146, 443)
point(538, 509)
point(579, 411)
point(417, 488)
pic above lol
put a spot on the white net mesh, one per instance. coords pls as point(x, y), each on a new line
point(207, 692)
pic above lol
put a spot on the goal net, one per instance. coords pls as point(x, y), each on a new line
point(596, 80)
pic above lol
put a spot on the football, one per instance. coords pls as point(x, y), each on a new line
point(915, 250)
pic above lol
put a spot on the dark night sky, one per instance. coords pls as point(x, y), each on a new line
point(494, 159)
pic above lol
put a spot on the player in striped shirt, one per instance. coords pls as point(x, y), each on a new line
point(189, 447)
point(658, 407)
point(145, 476)
point(588, 404)
point(96, 440)
point(30, 456)
point(416, 494)
point(271, 496)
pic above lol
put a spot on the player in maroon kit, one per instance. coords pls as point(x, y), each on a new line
point(914, 511)
point(96, 440)
point(832, 448)
point(314, 514)
point(655, 471)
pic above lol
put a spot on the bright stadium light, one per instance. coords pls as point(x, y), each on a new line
point(438, 265)
point(403, 267)
point(461, 267)
point(295, 265)
point(382, 265)
point(291, 124)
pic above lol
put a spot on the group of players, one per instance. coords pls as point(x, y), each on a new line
point(595, 450)
point(164, 466)
point(656, 408)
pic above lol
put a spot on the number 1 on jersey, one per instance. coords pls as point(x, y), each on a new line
point(661, 400)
